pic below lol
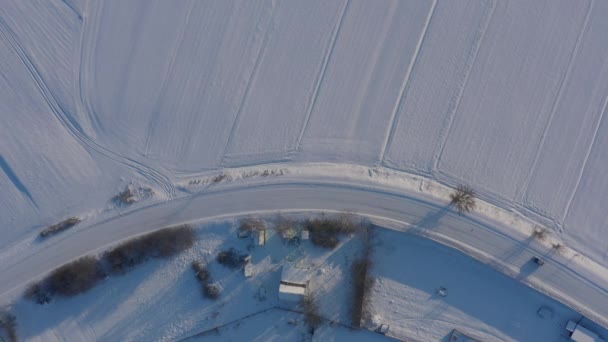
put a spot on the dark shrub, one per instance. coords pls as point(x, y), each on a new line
point(127, 196)
point(212, 290)
point(132, 194)
point(61, 226)
point(231, 258)
point(76, 277)
point(361, 284)
point(540, 233)
point(37, 293)
point(125, 256)
point(287, 228)
point(349, 223)
point(8, 322)
point(160, 244)
point(463, 199)
point(200, 270)
point(311, 311)
point(249, 225)
point(170, 241)
point(325, 232)
point(221, 177)
point(209, 289)
point(83, 274)
point(558, 247)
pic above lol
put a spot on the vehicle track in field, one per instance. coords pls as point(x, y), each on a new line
point(72, 126)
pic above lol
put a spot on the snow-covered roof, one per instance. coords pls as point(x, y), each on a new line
point(295, 274)
point(582, 334)
point(291, 293)
point(294, 280)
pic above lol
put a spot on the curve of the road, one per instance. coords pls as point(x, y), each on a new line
point(502, 251)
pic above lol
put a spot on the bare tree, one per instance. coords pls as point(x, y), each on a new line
point(8, 322)
point(249, 225)
point(558, 247)
point(286, 227)
point(540, 233)
point(463, 199)
point(311, 311)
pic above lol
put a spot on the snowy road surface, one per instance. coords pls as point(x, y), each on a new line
point(504, 252)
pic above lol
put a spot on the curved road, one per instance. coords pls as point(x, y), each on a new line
point(506, 253)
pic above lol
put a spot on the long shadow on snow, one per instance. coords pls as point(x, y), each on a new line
point(430, 220)
point(473, 288)
point(94, 305)
point(102, 301)
point(16, 181)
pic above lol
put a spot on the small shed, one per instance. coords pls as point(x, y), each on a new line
point(578, 333)
point(260, 237)
point(248, 267)
point(289, 233)
point(294, 282)
point(383, 329)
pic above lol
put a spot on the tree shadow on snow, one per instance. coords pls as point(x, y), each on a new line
point(93, 305)
point(431, 219)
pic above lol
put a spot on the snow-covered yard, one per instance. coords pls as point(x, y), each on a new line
point(480, 301)
point(162, 301)
point(278, 325)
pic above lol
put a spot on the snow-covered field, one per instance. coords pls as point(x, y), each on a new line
point(506, 96)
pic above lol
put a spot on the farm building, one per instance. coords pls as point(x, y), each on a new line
point(578, 333)
point(260, 237)
point(294, 282)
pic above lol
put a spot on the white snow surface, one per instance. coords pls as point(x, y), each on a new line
point(479, 301)
point(161, 300)
point(506, 96)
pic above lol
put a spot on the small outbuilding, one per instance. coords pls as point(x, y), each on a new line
point(248, 267)
point(294, 282)
point(260, 237)
point(578, 333)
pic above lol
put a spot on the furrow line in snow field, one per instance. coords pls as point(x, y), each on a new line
point(71, 126)
point(156, 113)
point(256, 66)
point(90, 27)
point(587, 154)
point(523, 190)
point(467, 73)
point(71, 7)
point(406, 79)
point(321, 75)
